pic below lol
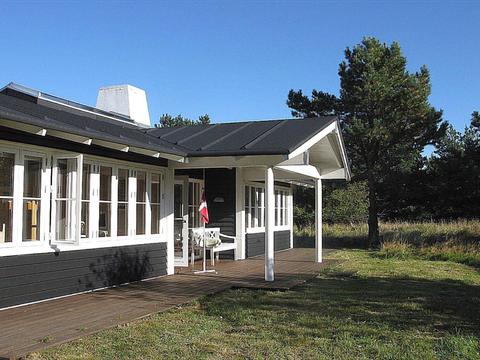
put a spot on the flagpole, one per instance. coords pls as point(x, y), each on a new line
point(204, 269)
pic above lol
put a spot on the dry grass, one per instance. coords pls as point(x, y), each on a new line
point(457, 241)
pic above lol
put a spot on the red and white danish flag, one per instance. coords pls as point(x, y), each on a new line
point(203, 209)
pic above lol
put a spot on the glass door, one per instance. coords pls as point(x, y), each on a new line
point(180, 221)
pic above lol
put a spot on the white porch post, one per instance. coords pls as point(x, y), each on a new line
point(269, 224)
point(318, 220)
point(240, 214)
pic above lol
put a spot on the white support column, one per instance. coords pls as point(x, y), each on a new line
point(318, 220)
point(269, 224)
point(240, 214)
point(167, 222)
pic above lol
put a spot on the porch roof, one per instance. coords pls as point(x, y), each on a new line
point(267, 137)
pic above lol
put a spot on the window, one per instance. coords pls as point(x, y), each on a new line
point(255, 207)
point(86, 178)
point(7, 164)
point(155, 199)
point(194, 197)
point(141, 201)
point(65, 199)
point(105, 206)
point(122, 206)
point(32, 182)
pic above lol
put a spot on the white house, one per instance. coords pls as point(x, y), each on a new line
point(92, 197)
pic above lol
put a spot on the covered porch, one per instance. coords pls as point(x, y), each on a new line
point(33, 327)
point(250, 191)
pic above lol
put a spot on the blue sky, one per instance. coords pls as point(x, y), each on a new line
point(233, 60)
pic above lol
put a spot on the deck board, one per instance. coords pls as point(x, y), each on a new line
point(25, 329)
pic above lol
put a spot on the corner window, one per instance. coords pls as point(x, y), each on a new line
point(155, 199)
point(32, 184)
point(7, 164)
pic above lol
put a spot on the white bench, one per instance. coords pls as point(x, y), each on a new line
point(213, 242)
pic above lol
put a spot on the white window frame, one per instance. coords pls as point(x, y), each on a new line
point(48, 187)
point(161, 179)
point(77, 216)
point(17, 192)
point(44, 198)
point(287, 210)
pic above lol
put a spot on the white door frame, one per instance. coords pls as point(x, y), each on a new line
point(182, 180)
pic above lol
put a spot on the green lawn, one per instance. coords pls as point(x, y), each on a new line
point(364, 307)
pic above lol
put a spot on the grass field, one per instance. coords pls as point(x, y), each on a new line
point(457, 241)
point(363, 307)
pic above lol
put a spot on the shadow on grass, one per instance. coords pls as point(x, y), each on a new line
point(361, 305)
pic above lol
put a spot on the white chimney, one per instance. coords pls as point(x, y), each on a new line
point(126, 100)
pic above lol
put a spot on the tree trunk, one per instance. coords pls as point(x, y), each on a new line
point(373, 232)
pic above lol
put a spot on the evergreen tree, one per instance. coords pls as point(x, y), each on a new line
point(386, 117)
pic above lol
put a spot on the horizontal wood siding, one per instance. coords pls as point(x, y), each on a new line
point(256, 242)
point(34, 277)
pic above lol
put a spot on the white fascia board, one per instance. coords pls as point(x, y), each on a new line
point(308, 171)
point(70, 137)
point(333, 174)
point(230, 161)
point(111, 145)
point(32, 129)
point(315, 139)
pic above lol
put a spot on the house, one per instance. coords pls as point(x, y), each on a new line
point(92, 197)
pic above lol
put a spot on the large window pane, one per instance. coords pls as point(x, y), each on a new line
point(31, 220)
point(104, 220)
point(104, 225)
point(155, 195)
point(140, 219)
point(87, 170)
point(7, 163)
point(32, 184)
point(6, 220)
point(65, 202)
point(141, 186)
point(122, 185)
point(105, 183)
point(122, 209)
point(141, 201)
point(32, 178)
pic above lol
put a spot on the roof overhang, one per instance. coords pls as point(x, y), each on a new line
point(323, 156)
point(17, 124)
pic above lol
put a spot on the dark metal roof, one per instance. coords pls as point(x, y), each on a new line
point(270, 137)
point(54, 117)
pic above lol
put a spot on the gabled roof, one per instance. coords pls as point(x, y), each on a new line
point(270, 137)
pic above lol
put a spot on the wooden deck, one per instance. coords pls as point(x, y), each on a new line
point(33, 327)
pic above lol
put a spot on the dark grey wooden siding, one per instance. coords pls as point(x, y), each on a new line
point(27, 278)
point(256, 242)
